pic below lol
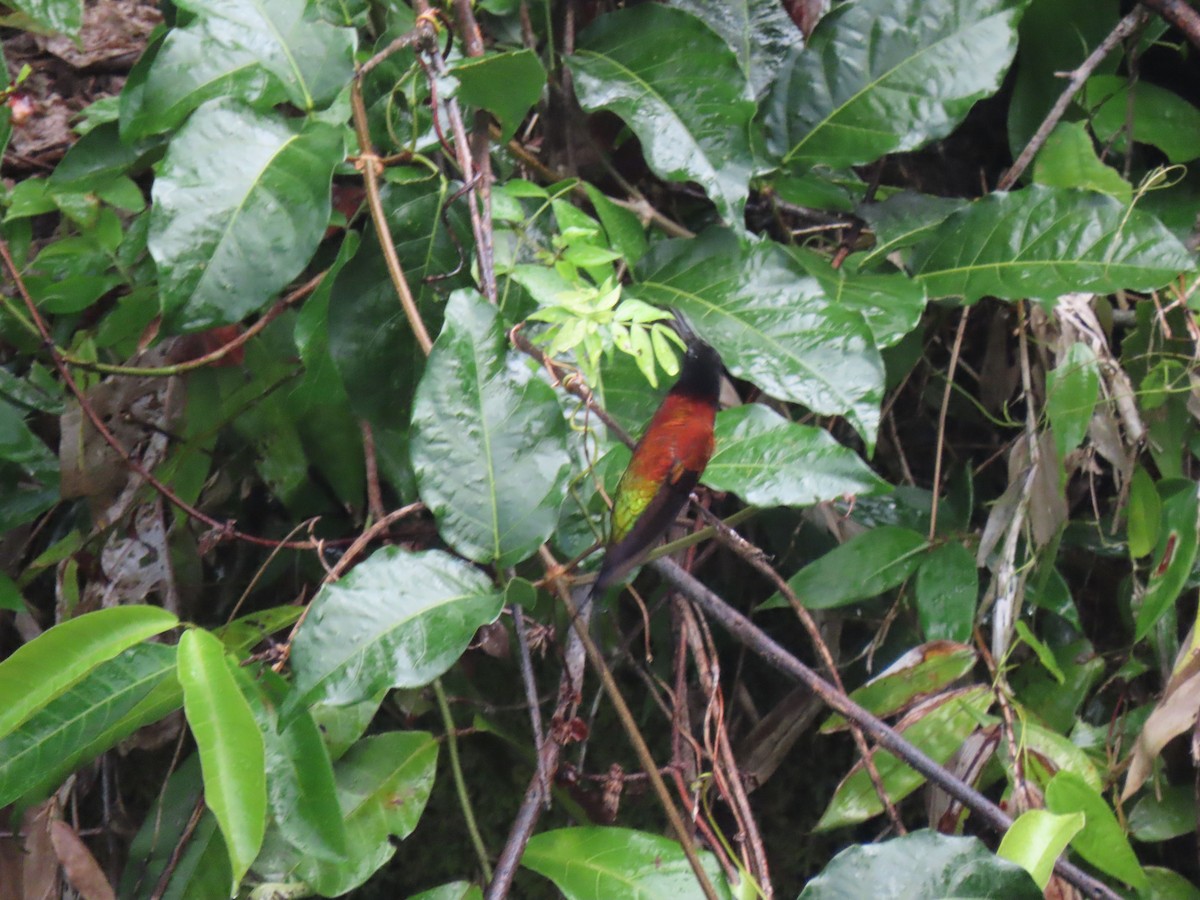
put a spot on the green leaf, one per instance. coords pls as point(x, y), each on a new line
point(1072, 389)
point(920, 672)
point(489, 442)
point(891, 303)
point(1035, 840)
point(300, 785)
point(1068, 160)
point(80, 724)
point(1173, 558)
point(958, 867)
point(383, 784)
point(1043, 652)
point(947, 592)
point(202, 871)
point(774, 326)
point(592, 863)
point(768, 461)
point(1102, 841)
point(1160, 117)
point(1043, 242)
point(230, 746)
point(1144, 513)
point(47, 666)
point(863, 567)
point(230, 230)
point(370, 341)
point(881, 76)
point(399, 619)
point(903, 220)
point(625, 231)
point(10, 594)
point(505, 84)
point(61, 16)
point(1164, 814)
point(455, 890)
point(1165, 884)
point(937, 727)
point(261, 52)
point(759, 31)
point(690, 110)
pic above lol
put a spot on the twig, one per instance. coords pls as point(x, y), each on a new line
point(955, 352)
point(371, 166)
point(756, 558)
point(774, 655)
point(531, 697)
point(371, 465)
point(643, 752)
point(1180, 14)
point(1127, 26)
point(460, 784)
point(223, 530)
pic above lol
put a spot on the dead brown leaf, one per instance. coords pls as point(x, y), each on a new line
point(81, 868)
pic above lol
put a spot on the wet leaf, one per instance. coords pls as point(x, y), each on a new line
point(879, 77)
point(759, 31)
point(1042, 242)
point(590, 863)
point(960, 867)
point(768, 461)
point(692, 116)
point(399, 619)
point(505, 84)
point(1068, 160)
point(230, 747)
point(947, 591)
point(230, 230)
point(489, 444)
point(773, 324)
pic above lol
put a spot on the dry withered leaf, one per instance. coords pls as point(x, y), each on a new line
point(80, 867)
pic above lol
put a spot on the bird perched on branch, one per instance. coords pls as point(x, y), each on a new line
point(666, 465)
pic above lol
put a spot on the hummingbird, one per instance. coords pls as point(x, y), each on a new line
point(666, 465)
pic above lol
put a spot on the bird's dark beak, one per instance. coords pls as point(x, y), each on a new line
point(683, 329)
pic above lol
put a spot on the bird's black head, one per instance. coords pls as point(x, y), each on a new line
point(700, 375)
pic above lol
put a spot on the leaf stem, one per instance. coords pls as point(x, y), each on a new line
point(460, 783)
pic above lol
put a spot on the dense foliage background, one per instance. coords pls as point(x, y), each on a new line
point(321, 331)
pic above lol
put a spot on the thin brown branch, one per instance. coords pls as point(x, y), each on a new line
point(371, 166)
point(955, 353)
point(1127, 26)
point(222, 530)
point(757, 641)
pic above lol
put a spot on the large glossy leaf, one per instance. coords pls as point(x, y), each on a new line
point(901, 221)
point(383, 784)
point(936, 727)
point(1043, 242)
point(229, 230)
point(772, 322)
point(768, 461)
point(881, 76)
point(1035, 840)
point(92, 716)
point(759, 31)
point(261, 52)
point(489, 443)
point(47, 666)
point(593, 863)
point(891, 303)
point(680, 89)
point(505, 84)
point(230, 746)
point(880, 559)
point(959, 867)
point(398, 619)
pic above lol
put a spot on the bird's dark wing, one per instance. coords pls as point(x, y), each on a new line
point(628, 552)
